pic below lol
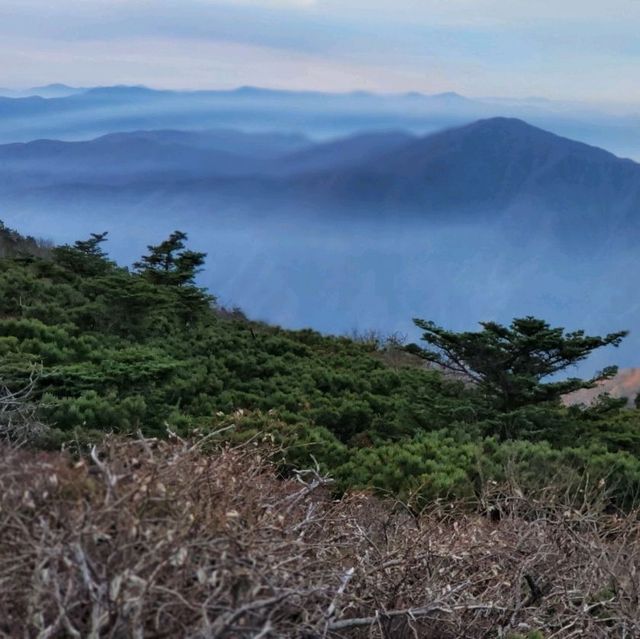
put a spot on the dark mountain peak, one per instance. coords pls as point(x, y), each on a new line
point(514, 137)
point(488, 165)
point(504, 122)
point(503, 125)
point(507, 130)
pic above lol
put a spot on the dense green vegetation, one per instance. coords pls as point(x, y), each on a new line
point(146, 349)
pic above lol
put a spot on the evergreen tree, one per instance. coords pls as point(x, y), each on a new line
point(510, 363)
point(92, 246)
point(169, 263)
point(85, 257)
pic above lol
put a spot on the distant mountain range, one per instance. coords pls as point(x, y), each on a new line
point(127, 157)
point(63, 112)
point(49, 91)
point(485, 168)
point(488, 220)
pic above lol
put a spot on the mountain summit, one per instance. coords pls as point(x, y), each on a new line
point(489, 165)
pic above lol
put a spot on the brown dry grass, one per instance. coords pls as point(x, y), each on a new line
point(160, 539)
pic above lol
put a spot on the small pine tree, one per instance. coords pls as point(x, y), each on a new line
point(169, 263)
point(92, 246)
point(84, 257)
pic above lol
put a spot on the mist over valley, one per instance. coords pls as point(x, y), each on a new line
point(487, 220)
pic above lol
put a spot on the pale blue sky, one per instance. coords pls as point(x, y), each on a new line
point(567, 49)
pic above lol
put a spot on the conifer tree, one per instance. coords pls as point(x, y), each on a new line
point(84, 257)
point(92, 246)
point(509, 363)
point(169, 263)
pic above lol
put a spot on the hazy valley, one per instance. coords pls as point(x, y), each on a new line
point(481, 221)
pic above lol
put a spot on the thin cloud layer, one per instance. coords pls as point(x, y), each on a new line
point(568, 49)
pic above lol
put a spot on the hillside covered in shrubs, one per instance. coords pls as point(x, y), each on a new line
point(97, 348)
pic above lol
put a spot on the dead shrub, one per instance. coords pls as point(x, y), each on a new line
point(19, 421)
point(155, 538)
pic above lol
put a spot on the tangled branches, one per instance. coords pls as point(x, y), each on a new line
point(19, 422)
point(158, 539)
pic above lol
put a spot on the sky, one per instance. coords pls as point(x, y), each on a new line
point(560, 49)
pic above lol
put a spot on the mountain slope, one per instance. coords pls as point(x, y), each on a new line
point(214, 153)
point(126, 157)
point(487, 168)
point(490, 165)
point(344, 153)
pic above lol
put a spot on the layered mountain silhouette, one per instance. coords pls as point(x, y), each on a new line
point(490, 165)
point(489, 220)
point(62, 112)
point(56, 90)
point(130, 156)
point(487, 167)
